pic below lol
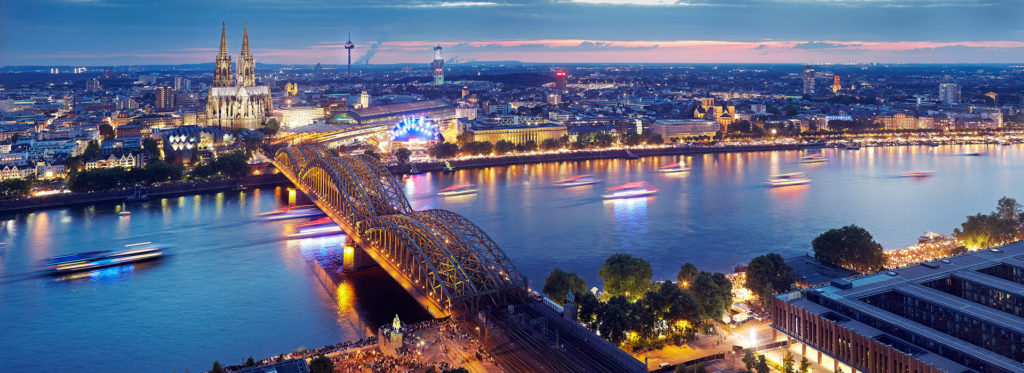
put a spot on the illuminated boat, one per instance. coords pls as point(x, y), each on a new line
point(851, 146)
point(630, 190)
point(91, 260)
point(813, 158)
point(457, 190)
point(793, 178)
point(577, 180)
point(975, 154)
point(292, 212)
point(918, 174)
point(316, 228)
point(671, 168)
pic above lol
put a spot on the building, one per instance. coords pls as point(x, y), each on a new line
point(164, 98)
point(298, 116)
point(684, 128)
point(554, 99)
point(949, 93)
point(385, 116)
point(93, 85)
point(181, 143)
point(561, 80)
point(808, 80)
point(236, 101)
point(519, 134)
point(437, 66)
point(364, 99)
point(836, 87)
point(898, 121)
point(177, 83)
point(961, 314)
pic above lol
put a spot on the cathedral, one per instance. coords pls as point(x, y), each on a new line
point(235, 101)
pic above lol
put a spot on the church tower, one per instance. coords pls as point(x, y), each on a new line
point(222, 75)
point(246, 65)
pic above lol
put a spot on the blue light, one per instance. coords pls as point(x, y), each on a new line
point(414, 128)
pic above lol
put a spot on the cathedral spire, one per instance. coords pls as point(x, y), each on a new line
point(246, 66)
point(222, 75)
point(245, 42)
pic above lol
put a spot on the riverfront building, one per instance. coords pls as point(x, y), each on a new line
point(385, 116)
point(519, 134)
point(961, 314)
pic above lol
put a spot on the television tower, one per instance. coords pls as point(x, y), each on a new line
point(349, 46)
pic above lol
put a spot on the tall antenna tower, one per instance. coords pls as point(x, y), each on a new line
point(349, 46)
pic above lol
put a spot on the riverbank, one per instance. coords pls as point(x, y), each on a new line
point(141, 194)
point(587, 155)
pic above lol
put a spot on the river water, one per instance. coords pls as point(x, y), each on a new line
point(233, 287)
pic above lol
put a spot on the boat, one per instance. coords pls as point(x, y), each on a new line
point(974, 154)
point(316, 228)
point(630, 190)
point(91, 260)
point(813, 158)
point(577, 180)
point(457, 190)
point(918, 174)
point(793, 178)
point(672, 168)
point(929, 237)
point(124, 210)
point(850, 146)
point(292, 212)
point(448, 169)
point(931, 143)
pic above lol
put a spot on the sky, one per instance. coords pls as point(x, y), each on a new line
point(141, 32)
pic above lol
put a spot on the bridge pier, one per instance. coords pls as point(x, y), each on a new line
point(356, 259)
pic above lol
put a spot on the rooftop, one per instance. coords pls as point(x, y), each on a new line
point(398, 109)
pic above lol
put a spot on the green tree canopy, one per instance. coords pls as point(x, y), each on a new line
point(15, 188)
point(550, 144)
point(767, 275)
point(321, 364)
point(624, 274)
point(92, 151)
point(443, 150)
point(402, 155)
point(686, 274)
point(559, 282)
point(152, 147)
point(504, 147)
point(850, 247)
point(713, 293)
point(271, 127)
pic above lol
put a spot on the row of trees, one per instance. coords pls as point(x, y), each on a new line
point(850, 247)
point(634, 308)
point(230, 164)
point(15, 188)
point(1005, 224)
point(466, 146)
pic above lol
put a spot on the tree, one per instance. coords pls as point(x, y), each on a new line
point(559, 283)
point(92, 151)
point(762, 365)
point(371, 153)
point(152, 147)
point(656, 139)
point(443, 150)
point(463, 138)
point(15, 188)
point(767, 275)
point(107, 132)
point(271, 127)
point(528, 146)
point(686, 274)
point(749, 361)
point(217, 368)
point(805, 365)
point(233, 164)
point(790, 110)
point(713, 293)
point(321, 364)
point(850, 247)
point(615, 319)
point(787, 362)
point(550, 144)
point(402, 155)
point(624, 274)
point(503, 147)
point(587, 309)
point(250, 362)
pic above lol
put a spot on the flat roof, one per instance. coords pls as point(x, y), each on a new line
point(909, 280)
point(396, 109)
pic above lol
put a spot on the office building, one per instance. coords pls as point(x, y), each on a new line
point(949, 93)
point(808, 80)
point(437, 66)
point(960, 314)
point(177, 84)
point(561, 80)
point(164, 98)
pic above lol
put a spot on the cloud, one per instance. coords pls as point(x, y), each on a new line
point(825, 45)
point(594, 44)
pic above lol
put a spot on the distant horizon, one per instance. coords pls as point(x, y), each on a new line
point(471, 63)
point(126, 32)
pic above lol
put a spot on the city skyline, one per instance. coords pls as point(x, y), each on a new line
point(111, 32)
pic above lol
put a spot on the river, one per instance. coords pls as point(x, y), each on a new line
point(233, 287)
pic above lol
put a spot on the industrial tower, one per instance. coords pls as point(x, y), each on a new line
point(438, 66)
point(349, 46)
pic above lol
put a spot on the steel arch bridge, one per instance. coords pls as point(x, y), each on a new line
point(443, 257)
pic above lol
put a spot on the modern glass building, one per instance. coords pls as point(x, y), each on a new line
point(961, 314)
